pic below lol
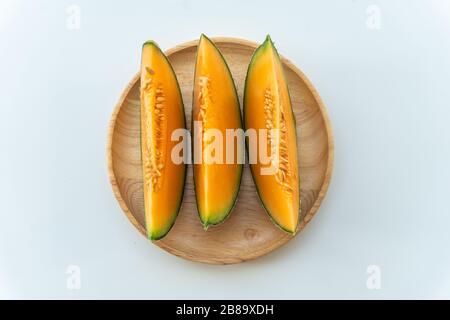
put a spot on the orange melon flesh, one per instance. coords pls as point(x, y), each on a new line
point(215, 106)
point(162, 112)
point(267, 105)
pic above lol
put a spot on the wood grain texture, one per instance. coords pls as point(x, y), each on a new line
point(248, 233)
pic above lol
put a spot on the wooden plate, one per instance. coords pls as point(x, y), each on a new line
point(247, 233)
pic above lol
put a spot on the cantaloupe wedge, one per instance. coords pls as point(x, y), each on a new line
point(267, 105)
point(162, 112)
point(215, 107)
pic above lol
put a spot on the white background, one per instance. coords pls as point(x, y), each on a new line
point(387, 93)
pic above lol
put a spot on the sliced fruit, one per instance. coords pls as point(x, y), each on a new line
point(162, 112)
point(267, 105)
point(215, 109)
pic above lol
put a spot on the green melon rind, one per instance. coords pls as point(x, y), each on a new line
point(220, 218)
point(268, 44)
point(155, 235)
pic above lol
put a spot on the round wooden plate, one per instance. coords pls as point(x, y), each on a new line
point(248, 233)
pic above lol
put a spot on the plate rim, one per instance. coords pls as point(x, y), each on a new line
point(323, 189)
